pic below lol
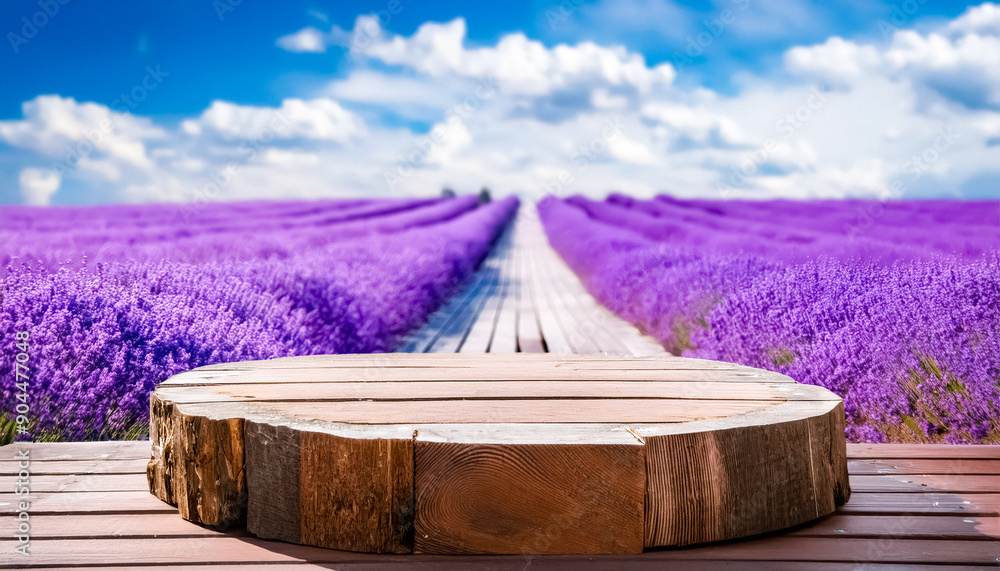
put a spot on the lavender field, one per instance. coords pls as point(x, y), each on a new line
point(118, 298)
point(895, 306)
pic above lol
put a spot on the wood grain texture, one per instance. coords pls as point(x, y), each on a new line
point(923, 466)
point(82, 451)
point(901, 528)
point(197, 464)
point(329, 491)
point(356, 494)
point(208, 482)
point(159, 471)
point(482, 498)
point(87, 502)
point(273, 456)
point(479, 390)
point(924, 451)
point(728, 483)
point(498, 453)
point(911, 483)
point(131, 530)
point(61, 483)
point(511, 411)
point(929, 503)
point(42, 468)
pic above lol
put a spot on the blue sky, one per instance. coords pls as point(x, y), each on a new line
point(247, 100)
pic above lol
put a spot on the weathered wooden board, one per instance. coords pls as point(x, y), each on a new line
point(98, 529)
point(329, 491)
point(455, 390)
point(887, 452)
point(512, 372)
point(496, 453)
point(529, 498)
point(922, 466)
point(41, 468)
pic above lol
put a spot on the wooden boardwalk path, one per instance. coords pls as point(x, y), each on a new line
point(912, 505)
point(525, 299)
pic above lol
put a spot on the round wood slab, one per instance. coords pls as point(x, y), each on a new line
point(487, 453)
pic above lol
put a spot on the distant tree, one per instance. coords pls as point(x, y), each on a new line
point(484, 195)
point(447, 193)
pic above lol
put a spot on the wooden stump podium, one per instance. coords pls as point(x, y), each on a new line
point(519, 453)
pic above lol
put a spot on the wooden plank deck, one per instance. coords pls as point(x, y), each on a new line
point(90, 509)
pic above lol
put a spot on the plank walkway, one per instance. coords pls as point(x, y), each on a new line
point(912, 505)
point(525, 299)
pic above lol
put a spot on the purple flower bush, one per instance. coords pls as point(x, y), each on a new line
point(118, 298)
point(899, 314)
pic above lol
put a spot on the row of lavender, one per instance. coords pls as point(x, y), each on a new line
point(118, 298)
point(900, 316)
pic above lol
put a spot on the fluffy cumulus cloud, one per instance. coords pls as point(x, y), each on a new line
point(916, 113)
point(520, 65)
point(318, 119)
point(38, 185)
point(959, 63)
point(63, 128)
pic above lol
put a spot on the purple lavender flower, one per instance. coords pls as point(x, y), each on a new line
point(155, 296)
point(895, 306)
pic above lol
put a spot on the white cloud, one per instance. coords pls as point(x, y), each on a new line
point(631, 151)
point(518, 64)
point(959, 63)
point(38, 185)
point(837, 59)
point(415, 113)
point(695, 123)
point(306, 40)
point(62, 127)
point(982, 19)
point(409, 97)
point(449, 138)
point(318, 119)
point(290, 158)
